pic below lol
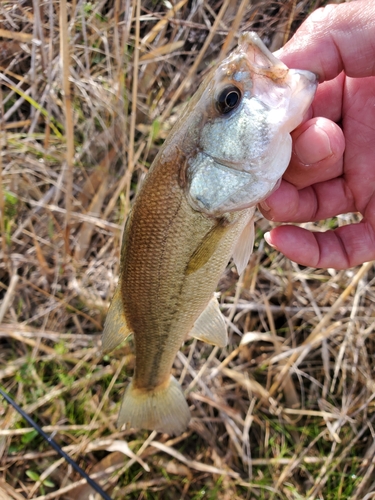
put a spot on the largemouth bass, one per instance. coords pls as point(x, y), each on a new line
point(193, 212)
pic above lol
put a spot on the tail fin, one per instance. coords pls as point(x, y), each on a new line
point(163, 409)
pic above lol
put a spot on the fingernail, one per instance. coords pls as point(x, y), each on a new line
point(264, 206)
point(313, 145)
point(267, 237)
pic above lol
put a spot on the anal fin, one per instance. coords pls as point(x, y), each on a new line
point(115, 327)
point(244, 246)
point(210, 326)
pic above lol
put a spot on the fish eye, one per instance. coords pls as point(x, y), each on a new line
point(228, 99)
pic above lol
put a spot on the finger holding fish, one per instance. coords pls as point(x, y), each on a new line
point(318, 146)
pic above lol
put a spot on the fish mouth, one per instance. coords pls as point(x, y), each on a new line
point(312, 78)
point(263, 62)
point(260, 58)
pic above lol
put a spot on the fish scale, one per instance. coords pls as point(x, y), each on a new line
point(193, 212)
point(153, 261)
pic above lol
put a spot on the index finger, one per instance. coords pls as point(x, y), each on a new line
point(335, 38)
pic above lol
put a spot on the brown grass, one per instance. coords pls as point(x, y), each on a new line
point(286, 411)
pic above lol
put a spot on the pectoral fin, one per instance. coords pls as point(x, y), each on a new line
point(244, 246)
point(207, 246)
point(115, 327)
point(210, 326)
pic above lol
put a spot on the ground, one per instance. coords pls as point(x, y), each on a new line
point(286, 411)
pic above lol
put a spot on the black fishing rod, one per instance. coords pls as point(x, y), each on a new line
point(55, 446)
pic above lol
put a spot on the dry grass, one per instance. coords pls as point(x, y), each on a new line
point(286, 411)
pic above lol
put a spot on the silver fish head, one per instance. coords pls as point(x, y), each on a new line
point(240, 124)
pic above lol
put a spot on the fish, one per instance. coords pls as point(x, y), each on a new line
point(194, 212)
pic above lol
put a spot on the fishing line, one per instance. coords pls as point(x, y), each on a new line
point(55, 446)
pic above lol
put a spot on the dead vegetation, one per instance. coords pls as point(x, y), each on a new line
point(88, 92)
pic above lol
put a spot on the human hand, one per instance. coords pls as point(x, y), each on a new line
point(322, 181)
